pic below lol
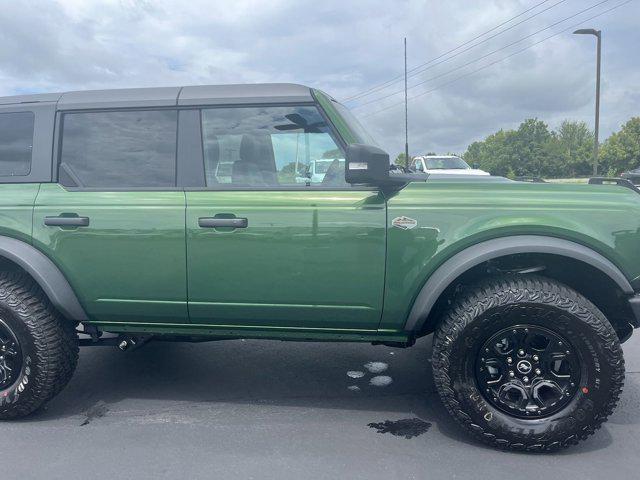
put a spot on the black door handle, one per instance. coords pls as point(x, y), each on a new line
point(215, 222)
point(66, 221)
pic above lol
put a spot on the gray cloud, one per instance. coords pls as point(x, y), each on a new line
point(341, 47)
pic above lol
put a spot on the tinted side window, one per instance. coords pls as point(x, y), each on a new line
point(270, 146)
point(16, 143)
point(119, 149)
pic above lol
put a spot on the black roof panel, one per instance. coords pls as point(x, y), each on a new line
point(244, 94)
point(167, 96)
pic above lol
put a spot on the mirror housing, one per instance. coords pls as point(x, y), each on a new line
point(366, 164)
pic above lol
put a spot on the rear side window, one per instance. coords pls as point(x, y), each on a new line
point(125, 149)
point(16, 143)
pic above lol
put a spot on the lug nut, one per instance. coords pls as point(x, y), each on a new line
point(509, 360)
point(521, 352)
point(525, 379)
point(538, 371)
point(511, 374)
point(123, 345)
point(536, 358)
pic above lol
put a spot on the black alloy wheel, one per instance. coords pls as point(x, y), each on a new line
point(528, 371)
point(10, 356)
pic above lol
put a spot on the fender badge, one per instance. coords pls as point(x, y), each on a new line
point(404, 223)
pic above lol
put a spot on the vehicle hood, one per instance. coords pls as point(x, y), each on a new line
point(450, 213)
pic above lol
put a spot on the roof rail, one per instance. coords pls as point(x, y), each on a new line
point(622, 182)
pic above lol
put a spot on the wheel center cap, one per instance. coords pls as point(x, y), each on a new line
point(524, 366)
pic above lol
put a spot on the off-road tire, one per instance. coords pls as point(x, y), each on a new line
point(48, 342)
point(480, 310)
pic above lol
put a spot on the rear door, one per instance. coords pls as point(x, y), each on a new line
point(114, 224)
point(277, 238)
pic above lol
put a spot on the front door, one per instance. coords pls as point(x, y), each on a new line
point(277, 238)
point(115, 223)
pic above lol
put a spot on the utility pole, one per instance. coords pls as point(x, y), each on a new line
point(598, 35)
point(406, 109)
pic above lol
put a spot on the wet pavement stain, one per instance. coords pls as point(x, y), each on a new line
point(381, 381)
point(407, 427)
point(98, 410)
point(376, 367)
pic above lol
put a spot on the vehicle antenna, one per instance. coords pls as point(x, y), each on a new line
point(406, 109)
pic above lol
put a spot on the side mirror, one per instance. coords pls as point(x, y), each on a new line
point(366, 164)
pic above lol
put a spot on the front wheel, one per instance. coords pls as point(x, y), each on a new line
point(526, 363)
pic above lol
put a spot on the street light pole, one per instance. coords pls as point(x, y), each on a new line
point(598, 35)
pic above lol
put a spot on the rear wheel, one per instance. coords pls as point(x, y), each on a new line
point(524, 362)
point(38, 348)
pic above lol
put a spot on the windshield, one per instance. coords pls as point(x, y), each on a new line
point(342, 118)
point(354, 124)
point(446, 163)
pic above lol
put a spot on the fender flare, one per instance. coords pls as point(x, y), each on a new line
point(468, 258)
point(46, 274)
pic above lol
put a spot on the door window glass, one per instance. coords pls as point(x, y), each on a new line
point(16, 143)
point(270, 147)
point(121, 149)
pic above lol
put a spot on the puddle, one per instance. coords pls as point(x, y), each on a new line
point(376, 367)
point(407, 427)
point(98, 410)
point(355, 374)
point(381, 381)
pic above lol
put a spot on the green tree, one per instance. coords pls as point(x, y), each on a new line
point(621, 151)
point(401, 160)
point(575, 143)
point(532, 150)
point(494, 154)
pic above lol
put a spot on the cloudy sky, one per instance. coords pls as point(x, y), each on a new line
point(345, 48)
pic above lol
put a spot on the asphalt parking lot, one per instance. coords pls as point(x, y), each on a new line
point(270, 409)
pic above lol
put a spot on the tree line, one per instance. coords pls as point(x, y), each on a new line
point(534, 150)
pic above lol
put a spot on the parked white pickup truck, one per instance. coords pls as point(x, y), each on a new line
point(444, 164)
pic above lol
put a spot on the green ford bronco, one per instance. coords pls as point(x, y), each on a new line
point(194, 213)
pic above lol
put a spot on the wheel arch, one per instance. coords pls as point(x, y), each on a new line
point(46, 274)
point(455, 267)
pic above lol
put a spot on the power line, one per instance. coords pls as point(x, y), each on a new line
point(399, 77)
point(483, 56)
point(499, 60)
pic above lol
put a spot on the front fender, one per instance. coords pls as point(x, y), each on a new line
point(499, 247)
